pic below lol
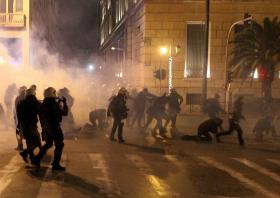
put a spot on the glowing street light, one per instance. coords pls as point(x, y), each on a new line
point(91, 67)
point(163, 50)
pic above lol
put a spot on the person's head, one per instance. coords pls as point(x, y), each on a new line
point(30, 92)
point(122, 91)
point(34, 87)
point(145, 90)
point(218, 121)
point(22, 90)
point(173, 91)
point(50, 92)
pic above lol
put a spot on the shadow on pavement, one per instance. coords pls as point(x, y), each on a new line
point(147, 149)
point(66, 179)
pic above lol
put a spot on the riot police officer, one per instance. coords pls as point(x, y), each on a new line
point(118, 110)
point(52, 111)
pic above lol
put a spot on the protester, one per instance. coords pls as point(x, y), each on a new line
point(204, 129)
point(212, 107)
point(174, 102)
point(68, 124)
point(140, 106)
point(237, 115)
point(157, 111)
point(98, 118)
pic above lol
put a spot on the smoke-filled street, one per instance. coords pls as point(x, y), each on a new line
point(139, 98)
point(97, 167)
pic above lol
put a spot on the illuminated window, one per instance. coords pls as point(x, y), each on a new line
point(195, 50)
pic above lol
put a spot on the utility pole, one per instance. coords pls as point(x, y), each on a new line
point(205, 66)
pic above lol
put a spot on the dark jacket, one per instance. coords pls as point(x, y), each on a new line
point(117, 107)
point(28, 111)
point(210, 125)
point(51, 112)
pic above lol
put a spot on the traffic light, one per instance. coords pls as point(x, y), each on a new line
point(160, 74)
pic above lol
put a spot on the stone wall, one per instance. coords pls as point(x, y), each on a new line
point(164, 23)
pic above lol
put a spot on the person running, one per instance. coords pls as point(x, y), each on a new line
point(174, 102)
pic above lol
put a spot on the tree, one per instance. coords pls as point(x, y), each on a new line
point(257, 46)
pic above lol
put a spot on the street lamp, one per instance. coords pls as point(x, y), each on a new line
point(227, 86)
point(163, 50)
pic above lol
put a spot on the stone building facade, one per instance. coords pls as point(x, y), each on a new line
point(148, 25)
point(14, 32)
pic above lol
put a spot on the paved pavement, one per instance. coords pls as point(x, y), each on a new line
point(97, 167)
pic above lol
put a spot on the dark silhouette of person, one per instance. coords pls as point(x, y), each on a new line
point(98, 118)
point(174, 101)
point(118, 110)
point(52, 111)
point(27, 112)
point(131, 106)
point(237, 115)
point(211, 125)
point(157, 111)
point(21, 96)
point(68, 123)
point(10, 93)
point(2, 116)
point(140, 106)
point(212, 107)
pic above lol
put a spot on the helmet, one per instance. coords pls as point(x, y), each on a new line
point(173, 90)
point(30, 91)
point(122, 91)
point(50, 92)
point(22, 90)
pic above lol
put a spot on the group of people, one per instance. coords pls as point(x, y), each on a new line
point(164, 109)
point(49, 112)
point(139, 104)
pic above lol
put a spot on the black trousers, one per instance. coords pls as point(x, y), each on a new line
point(139, 116)
point(234, 126)
point(55, 136)
point(117, 124)
point(32, 138)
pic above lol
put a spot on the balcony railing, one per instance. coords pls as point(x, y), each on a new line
point(12, 20)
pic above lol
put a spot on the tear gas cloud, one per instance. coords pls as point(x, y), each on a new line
point(47, 69)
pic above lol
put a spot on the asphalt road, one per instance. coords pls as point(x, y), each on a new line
point(97, 167)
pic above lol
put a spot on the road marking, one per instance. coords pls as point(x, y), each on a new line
point(98, 162)
point(51, 184)
point(8, 172)
point(274, 161)
point(161, 188)
point(259, 168)
point(239, 176)
point(174, 161)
